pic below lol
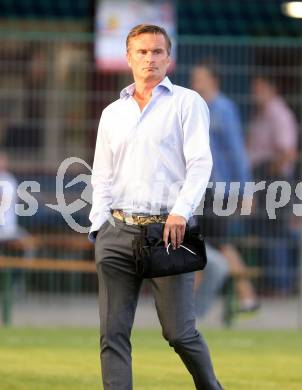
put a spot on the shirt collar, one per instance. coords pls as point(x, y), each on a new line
point(165, 83)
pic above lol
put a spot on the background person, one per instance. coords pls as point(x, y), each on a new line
point(12, 236)
point(10, 230)
point(272, 147)
point(230, 164)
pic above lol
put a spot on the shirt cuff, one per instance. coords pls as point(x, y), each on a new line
point(95, 227)
point(183, 210)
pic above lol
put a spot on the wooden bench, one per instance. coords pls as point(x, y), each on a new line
point(65, 241)
point(44, 264)
point(8, 263)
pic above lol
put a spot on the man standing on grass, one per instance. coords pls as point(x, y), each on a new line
point(152, 164)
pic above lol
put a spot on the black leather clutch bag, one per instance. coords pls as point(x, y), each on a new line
point(153, 259)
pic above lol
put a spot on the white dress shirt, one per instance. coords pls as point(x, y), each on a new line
point(8, 198)
point(151, 161)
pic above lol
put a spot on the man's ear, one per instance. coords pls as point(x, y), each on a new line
point(169, 60)
point(128, 58)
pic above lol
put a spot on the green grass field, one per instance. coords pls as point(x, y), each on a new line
point(61, 359)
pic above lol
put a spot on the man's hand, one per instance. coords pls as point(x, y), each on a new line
point(175, 228)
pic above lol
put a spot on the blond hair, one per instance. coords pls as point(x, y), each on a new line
point(148, 29)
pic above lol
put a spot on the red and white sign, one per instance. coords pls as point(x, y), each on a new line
point(114, 20)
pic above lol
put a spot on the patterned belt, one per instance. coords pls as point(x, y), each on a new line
point(138, 219)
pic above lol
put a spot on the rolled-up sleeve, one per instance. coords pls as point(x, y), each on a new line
point(101, 180)
point(197, 154)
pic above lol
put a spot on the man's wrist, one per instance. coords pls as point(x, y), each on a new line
point(178, 215)
point(182, 211)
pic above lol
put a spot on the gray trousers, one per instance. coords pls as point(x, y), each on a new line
point(119, 288)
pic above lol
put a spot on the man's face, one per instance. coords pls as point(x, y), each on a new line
point(148, 57)
point(202, 81)
point(261, 91)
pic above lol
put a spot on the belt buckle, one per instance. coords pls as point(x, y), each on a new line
point(140, 218)
point(128, 218)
